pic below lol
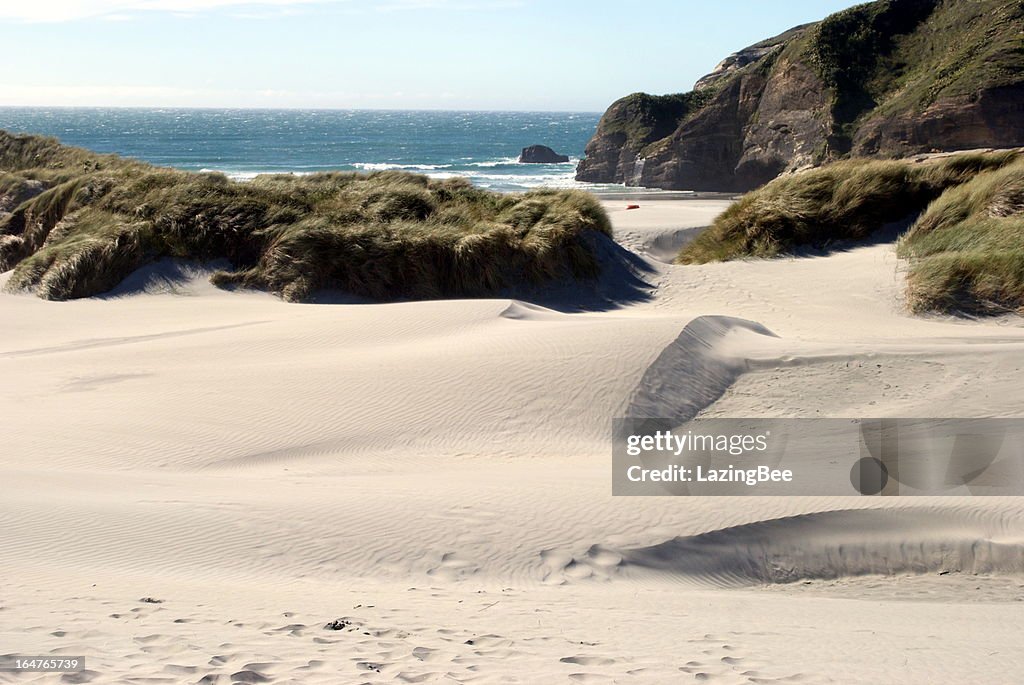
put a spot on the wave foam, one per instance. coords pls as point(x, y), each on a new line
point(389, 166)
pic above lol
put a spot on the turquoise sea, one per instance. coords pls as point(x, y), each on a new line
point(482, 146)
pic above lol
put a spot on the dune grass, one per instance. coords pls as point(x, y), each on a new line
point(966, 251)
point(846, 200)
point(429, 240)
point(90, 220)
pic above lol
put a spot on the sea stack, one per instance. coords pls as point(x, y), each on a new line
point(541, 154)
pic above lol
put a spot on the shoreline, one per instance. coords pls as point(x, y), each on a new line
point(663, 195)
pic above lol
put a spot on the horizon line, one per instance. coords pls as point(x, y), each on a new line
point(306, 109)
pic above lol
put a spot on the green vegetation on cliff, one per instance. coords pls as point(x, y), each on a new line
point(78, 223)
point(965, 249)
point(631, 127)
point(893, 58)
point(643, 118)
point(889, 78)
point(852, 52)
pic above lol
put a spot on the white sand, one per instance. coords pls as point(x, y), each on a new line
point(438, 475)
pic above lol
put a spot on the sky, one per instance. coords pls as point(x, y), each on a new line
point(538, 55)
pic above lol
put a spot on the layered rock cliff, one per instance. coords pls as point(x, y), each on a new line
point(889, 78)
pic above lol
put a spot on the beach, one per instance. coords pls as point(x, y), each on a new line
point(208, 486)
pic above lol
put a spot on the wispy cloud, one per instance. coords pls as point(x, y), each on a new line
point(207, 96)
point(399, 5)
point(70, 10)
point(20, 94)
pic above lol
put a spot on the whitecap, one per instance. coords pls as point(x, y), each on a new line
point(388, 166)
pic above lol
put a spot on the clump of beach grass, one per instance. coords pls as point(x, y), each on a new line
point(966, 251)
point(536, 238)
point(843, 201)
point(92, 219)
point(94, 253)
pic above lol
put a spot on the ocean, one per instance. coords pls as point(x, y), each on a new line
point(241, 143)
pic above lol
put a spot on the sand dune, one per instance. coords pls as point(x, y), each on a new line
point(432, 480)
point(838, 544)
point(694, 370)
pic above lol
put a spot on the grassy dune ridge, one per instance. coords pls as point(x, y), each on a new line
point(74, 223)
point(966, 247)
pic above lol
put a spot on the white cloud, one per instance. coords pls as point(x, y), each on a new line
point(470, 5)
point(68, 10)
point(32, 95)
point(115, 95)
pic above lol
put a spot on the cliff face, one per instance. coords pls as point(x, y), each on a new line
point(629, 125)
point(889, 79)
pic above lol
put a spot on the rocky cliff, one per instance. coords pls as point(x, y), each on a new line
point(889, 78)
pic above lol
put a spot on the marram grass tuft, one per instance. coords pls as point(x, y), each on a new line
point(965, 249)
point(78, 223)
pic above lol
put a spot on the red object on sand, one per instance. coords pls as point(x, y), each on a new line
point(632, 206)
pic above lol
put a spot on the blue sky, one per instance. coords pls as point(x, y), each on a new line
point(395, 54)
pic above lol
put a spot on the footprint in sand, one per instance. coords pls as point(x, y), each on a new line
point(453, 567)
point(424, 653)
point(587, 660)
